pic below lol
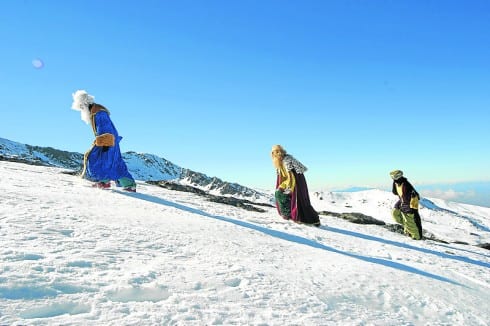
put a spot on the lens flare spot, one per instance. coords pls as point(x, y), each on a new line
point(37, 63)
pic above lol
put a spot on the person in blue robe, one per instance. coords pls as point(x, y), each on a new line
point(103, 162)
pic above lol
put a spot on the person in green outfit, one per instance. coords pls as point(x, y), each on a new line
point(406, 209)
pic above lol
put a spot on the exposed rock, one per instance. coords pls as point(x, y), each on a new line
point(175, 186)
point(242, 203)
point(142, 166)
point(430, 236)
point(484, 246)
point(69, 160)
point(461, 242)
point(72, 172)
point(35, 155)
point(397, 228)
point(22, 160)
point(213, 183)
point(330, 213)
point(357, 218)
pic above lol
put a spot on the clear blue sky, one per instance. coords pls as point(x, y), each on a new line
point(353, 89)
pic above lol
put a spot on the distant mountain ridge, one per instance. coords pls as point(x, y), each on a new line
point(145, 167)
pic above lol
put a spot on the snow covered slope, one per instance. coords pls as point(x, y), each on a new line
point(74, 255)
point(143, 166)
point(446, 220)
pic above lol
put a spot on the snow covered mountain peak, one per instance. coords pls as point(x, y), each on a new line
point(145, 167)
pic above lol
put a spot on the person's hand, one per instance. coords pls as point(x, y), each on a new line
point(287, 191)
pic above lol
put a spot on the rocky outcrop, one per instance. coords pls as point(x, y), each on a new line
point(145, 167)
point(46, 156)
point(357, 218)
point(241, 203)
point(484, 246)
point(216, 185)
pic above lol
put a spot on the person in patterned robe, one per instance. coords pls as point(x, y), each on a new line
point(291, 194)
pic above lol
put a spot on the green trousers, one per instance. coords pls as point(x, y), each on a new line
point(284, 201)
point(408, 222)
point(126, 182)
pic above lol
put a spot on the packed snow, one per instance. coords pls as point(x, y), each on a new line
point(71, 254)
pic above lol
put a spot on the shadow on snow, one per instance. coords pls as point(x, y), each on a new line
point(408, 246)
point(477, 224)
point(302, 240)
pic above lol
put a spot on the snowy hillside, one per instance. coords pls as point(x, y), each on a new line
point(38, 155)
point(449, 221)
point(143, 166)
point(74, 255)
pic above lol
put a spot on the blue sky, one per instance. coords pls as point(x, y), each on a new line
point(353, 89)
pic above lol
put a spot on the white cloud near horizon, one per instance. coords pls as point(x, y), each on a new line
point(449, 194)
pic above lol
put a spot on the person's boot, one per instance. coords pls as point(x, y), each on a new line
point(102, 185)
point(130, 189)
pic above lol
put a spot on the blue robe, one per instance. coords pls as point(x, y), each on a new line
point(105, 163)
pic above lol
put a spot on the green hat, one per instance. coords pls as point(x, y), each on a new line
point(396, 174)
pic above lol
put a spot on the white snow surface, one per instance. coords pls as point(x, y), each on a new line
point(71, 254)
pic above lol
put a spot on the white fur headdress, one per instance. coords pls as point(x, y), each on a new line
point(81, 100)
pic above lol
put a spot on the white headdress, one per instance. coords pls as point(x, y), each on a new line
point(81, 101)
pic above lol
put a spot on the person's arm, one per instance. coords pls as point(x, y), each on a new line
point(105, 140)
point(414, 197)
point(104, 130)
point(288, 181)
